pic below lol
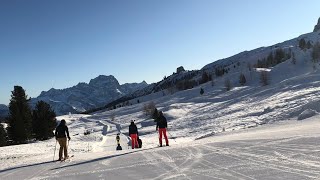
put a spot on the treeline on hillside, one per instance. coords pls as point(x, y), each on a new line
point(280, 55)
point(315, 49)
point(25, 124)
point(274, 58)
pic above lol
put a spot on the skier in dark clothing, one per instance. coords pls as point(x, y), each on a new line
point(118, 138)
point(61, 135)
point(162, 127)
point(133, 133)
point(118, 142)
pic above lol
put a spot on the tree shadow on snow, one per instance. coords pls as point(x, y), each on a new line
point(100, 159)
point(26, 166)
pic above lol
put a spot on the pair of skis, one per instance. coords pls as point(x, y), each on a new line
point(67, 159)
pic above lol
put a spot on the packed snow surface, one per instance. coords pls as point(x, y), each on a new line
point(283, 150)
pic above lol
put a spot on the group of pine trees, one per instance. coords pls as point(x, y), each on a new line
point(25, 124)
point(315, 53)
point(274, 58)
point(304, 45)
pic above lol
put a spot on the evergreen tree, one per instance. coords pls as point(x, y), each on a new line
point(201, 91)
point(270, 60)
point(44, 121)
point(3, 136)
point(294, 61)
point(242, 79)
point(309, 45)
point(264, 78)
point(212, 80)
point(279, 56)
point(219, 71)
point(205, 78)
point(249, 66)
point(316, 52)
point(227, 84)
point(19, 120)
point(302, 44)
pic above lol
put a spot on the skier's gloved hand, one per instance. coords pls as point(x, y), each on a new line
point(69, 138)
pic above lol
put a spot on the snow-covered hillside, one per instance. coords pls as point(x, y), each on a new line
point(249, 132)
point(98, 92)
point(230, 68)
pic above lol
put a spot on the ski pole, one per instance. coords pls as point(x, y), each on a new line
point(68, 148)
point(172, 137)
point(54, 154)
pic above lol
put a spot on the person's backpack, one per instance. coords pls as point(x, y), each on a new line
point(119, 148)
point(140, 143)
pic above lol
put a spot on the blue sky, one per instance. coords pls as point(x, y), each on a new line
point(45, 44)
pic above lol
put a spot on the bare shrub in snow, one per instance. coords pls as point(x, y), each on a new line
point(264, 78)
point(112, 117)
point(201, 91)
point(227, 84)
point(242, 79)
point(293, 61)
point(149, 108)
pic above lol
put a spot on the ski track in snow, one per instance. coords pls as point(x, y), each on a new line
point(244, 159)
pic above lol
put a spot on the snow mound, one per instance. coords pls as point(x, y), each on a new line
point(307, 114)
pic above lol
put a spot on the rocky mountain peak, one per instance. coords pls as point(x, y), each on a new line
point(317, 27)
point(103, 80)
point(100, 91)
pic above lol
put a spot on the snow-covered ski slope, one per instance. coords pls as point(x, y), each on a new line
point(249, 132)
point(279, 147)
point(282, 150)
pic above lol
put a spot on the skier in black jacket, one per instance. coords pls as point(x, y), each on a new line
point(162, 127)
point(133, 133)
point(61, 135)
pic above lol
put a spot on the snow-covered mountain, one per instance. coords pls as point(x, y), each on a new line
point(98, 92)
point(4, 110)
point(230, 68)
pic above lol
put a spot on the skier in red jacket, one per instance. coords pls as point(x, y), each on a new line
point(162, 127)
point(133, 133)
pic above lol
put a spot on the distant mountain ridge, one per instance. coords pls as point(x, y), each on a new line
point(4, 111)
point(98, 92)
